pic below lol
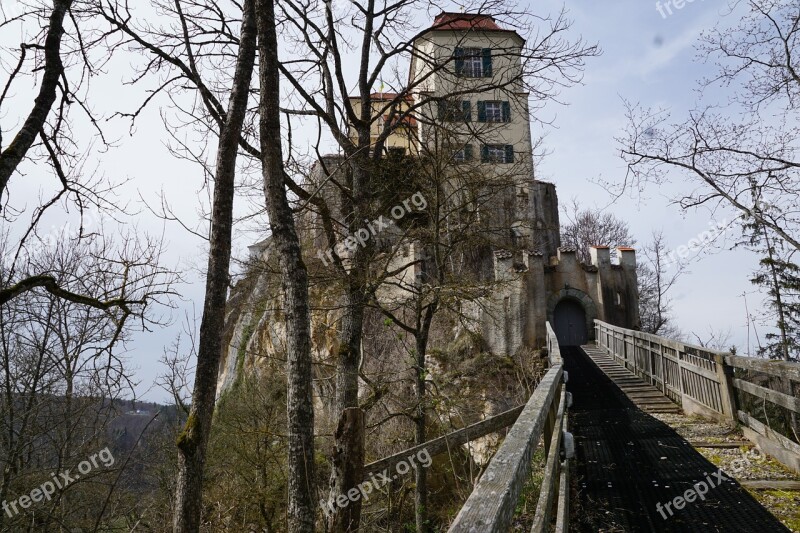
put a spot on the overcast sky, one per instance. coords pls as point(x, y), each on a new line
point(647, 58)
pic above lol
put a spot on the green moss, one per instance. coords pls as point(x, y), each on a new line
point(783, 504)
point(247, 334)
point(529, 497)
point(188, 430)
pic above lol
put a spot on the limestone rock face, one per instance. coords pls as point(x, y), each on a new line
point(256, 333)
point(467, 381)
point(250, 330)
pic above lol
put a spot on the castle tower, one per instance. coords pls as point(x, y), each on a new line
point(468, 71)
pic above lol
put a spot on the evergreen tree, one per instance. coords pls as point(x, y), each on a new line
point(780, 276)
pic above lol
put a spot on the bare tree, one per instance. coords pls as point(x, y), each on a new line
point(657, 274)
point(53, 36)
point(716, 339)
point(62, 369)
point(587, 227)
point(193, 442)
point(723, 150)
point(657, 271)
point(294, 277)
point(53, 70)
point(202, 34)
point(438, 275)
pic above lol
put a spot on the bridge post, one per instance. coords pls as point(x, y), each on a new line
point(550, 423)
point(623, 350)
point(727, 395)
point(627, 352)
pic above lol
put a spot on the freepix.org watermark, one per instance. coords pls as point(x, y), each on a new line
point(697, 244)
point(747, 459)
point(362, 236)
point(422, 459)
point(63, 234)
point(701, 488)
point(46, 490)
point(665, 9)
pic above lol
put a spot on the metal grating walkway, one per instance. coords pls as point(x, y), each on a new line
point(628, 462)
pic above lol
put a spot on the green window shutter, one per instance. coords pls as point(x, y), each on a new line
point(466, 108)
point(506, 112)
point(487, 62)
point(485, 153)
point(459, 55)
point(468, 152)
point(481, 111)
point(442, 108)
point(509, 153)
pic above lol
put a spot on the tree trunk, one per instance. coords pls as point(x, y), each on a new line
point(11, 157)
point(420, 474)
point(349, 356)
point(294, 277)
point(348, 442)
point(193, 441)
point(345, 514)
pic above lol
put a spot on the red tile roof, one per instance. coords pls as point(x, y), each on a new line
point(465, 21)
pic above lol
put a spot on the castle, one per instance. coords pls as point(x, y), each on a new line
point(468, 110)
point(486, 126)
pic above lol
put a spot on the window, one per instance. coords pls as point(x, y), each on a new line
point(396, 152)
point(497, 153)
point(455, 111)
point(494, 111)
point(463, 154)
point(473, 62)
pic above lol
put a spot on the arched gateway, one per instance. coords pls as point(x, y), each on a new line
point(570, 323)
point(572, 313)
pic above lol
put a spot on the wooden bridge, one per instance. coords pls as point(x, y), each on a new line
point(631, 464)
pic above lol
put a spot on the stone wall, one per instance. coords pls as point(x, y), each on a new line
point(527, 292)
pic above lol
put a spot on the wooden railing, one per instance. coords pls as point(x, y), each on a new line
point(706, 382)
point(691, 376)
point(491, 506)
